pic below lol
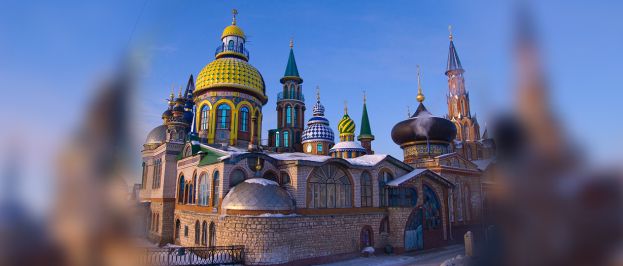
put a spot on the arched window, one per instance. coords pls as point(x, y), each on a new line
point(366, 190)
point(384, 228)
point(223, 117)
point(468, 153)
point(197, 232)
point(203, 189)
point(144, 177)
point(286, 139)
point(384, 178)
point(277, 140)
point(204, 233)
point(230, 45)
point(285, 179)
point(180, 192)
point(295, 116)
point(366, 237)
point(289, 115)
point(329, 187)
point(157, 174)
point(188, 151)
point(236, 177)
point(177, 230)
point(402, 197)
point(432, 209)
point(319, 147)
point(215, 189)
point(205, 117)
point(212, 238)
point(292, 95)
point(269, 175)
point(157, 222)
point(244, 119)
point(241, 48)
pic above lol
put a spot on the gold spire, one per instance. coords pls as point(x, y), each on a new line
point(234, 12)
point(291, 42)
point(408, 111)
point(179, 95)
point(258, 166)
point(364, 96)
point(420, 96)
point(317, 93)
point(345, 108)
point(450, 30)
point(172, 95)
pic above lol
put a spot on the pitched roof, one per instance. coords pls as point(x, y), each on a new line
point(365, 130)
point(291, 69)
point(454, 63)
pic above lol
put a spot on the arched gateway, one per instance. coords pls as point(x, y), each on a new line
point(414, 235)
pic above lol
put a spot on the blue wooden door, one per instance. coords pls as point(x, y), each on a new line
point(414, 238)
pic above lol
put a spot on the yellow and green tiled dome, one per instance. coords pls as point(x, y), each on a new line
point(232, 30)
point(346, 125)
point(231, 72)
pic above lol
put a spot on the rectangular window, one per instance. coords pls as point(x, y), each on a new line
point(277, 142)
point(319, 147)
point(286, 139)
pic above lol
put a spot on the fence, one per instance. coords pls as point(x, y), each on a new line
point(183, 256)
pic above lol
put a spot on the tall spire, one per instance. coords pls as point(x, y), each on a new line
point(420, 96)
point(291, 69)
point(365, 131)
point(454, 63)
point(234, 12)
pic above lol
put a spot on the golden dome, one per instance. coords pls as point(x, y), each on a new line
point(233, 73)
point(232, 30)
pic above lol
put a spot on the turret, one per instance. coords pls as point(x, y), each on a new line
point(318, 137)
point(347, 147)
point(365, 134)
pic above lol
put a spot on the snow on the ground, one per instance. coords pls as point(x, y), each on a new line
point(369, 250)
point(456, 261)
point(261, 181)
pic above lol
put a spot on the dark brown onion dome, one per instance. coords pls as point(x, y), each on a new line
point(423, 126)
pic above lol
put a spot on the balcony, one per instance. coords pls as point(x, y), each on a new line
point(233, 49)
point(281, 97)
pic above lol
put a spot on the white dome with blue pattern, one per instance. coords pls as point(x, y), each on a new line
point(318, 128)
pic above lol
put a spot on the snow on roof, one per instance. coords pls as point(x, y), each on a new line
point(348, 145)
point(261, 181)
point(402, 179)
point(367, 160)
point(483, 164)
point(299, 156)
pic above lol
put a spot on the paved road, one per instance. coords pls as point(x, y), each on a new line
point(426, 258)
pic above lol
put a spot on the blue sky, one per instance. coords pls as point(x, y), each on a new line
point(53, 52)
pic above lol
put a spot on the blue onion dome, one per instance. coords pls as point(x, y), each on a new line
point(318, 128)
point(423, 126)
point(346, 125)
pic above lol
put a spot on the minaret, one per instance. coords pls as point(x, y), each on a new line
point(290, 110)
point(458, 97)
point(365, 133)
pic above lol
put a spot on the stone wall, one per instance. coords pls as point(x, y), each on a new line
point(275, 240)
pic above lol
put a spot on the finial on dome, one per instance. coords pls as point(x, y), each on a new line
point(291, 42)
point(172, 95)
point(179, 95)
point(234, 12)
point(258, 166)
point(450, 30)
point(364, 96)
point(408, 111)
point(420, 96)
point(318, 93)
point(345, 108)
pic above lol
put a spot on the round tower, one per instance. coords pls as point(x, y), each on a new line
point(229, 94)
point(347, 147)
point(318, 137)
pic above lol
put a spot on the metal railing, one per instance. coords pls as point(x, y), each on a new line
point(222, 48)
point(281, 96)
point(228, 255)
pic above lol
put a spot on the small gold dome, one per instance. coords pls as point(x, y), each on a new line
point(233, 73)
point(232, 30)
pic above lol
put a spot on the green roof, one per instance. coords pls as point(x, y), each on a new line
point(208, 156)
point(291, 69)
point(365, 130)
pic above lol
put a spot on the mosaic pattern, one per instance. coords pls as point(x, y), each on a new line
point(318, 128)
point(231, 72)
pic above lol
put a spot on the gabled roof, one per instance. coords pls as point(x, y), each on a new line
point(418, 172)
